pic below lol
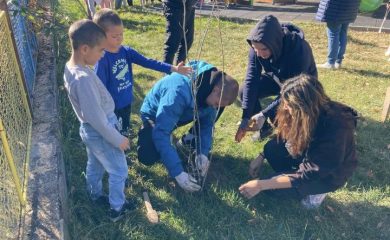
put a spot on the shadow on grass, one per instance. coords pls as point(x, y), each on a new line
point(373, 141)
point(219, 212)
point(193, 211)
point(367, 73)
point(360, 42)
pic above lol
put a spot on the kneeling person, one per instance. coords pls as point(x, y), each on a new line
point(171, 103)
point(314, 152)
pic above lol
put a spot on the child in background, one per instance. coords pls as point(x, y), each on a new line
point(115, 67)
point(94, 108)
point(91, 6)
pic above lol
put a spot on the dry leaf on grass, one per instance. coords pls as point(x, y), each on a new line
point(253, 221)
point(379, 225)
point(330, 208)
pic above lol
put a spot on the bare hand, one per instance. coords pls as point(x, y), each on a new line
point(182, 69)
point(125, 145)
point(255, 165)
point(240, 134)
point(250, 189)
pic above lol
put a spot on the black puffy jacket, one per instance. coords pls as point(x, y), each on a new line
point(340, 11)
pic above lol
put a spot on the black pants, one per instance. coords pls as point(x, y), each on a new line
point(124, 114)
point(264, 87)
point(283, 163)
point(175, 37)
point(146, 150)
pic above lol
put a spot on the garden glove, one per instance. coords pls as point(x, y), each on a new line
point(202, 164)
point(187, 182)
point(258, 121)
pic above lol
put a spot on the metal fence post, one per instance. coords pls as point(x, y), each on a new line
point(11, 163)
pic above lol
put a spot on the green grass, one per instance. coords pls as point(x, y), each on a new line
point(360, 210)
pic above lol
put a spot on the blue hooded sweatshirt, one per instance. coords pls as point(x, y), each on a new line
point(170, 103)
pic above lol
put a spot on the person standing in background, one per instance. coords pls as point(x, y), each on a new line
point(178, 13)
point(337, 14)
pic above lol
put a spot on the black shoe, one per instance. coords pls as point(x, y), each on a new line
point(127, 183)
point(128, 158)
point(125, 133)
point(130, 2)
point(118, 215)
point(266, 132)
point(102, 201)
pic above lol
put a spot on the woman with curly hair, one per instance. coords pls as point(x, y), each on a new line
point(313, 152)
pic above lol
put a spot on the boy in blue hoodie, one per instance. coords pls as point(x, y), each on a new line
point(171, 103)
point(115, 67)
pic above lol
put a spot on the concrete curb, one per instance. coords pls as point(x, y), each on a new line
point(45, 215)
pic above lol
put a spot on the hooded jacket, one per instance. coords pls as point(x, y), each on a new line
point(170, 104)
point(339, 11)
point(291, 56)
point(331, 157)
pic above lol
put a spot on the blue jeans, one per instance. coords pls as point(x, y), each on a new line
point(337, 41)
point(102, 156)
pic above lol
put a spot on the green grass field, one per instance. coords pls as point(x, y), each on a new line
point(360, 210)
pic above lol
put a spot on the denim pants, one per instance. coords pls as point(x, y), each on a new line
point(337, 41)
point(176, 41)
point(102, 156)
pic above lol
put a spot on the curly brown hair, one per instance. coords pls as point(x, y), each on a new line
point(302, 100)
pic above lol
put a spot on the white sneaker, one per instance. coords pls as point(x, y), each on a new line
point(313, 201)
point(337, 65)
point(326, 66)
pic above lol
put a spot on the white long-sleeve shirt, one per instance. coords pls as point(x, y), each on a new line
point(91, 101)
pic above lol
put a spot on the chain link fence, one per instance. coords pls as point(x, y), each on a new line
point(15, 123)
point(26, 41)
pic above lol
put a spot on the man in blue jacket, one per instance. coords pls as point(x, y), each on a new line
point(172, 102)
point(277, 52)
point(337, 14)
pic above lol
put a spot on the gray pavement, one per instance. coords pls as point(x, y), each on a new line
point(302, 11)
